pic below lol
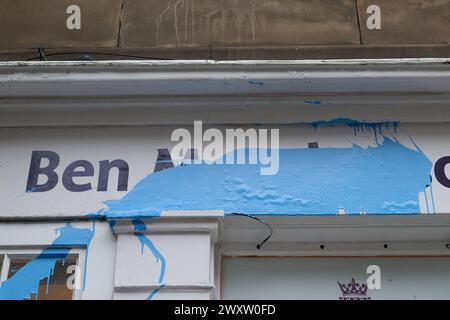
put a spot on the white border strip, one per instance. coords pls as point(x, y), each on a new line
point(131, 63)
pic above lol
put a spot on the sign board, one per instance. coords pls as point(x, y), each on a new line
point(324, 168)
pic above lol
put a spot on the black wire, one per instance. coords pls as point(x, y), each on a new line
point(42, 56)
point(258, 246)
point(99, 53)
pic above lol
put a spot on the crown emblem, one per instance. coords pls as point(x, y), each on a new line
point(353, 291)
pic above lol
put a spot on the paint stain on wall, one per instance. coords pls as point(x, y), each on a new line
point(310, 181)
point(140, 227)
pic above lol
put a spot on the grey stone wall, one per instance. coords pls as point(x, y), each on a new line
point(199, 28)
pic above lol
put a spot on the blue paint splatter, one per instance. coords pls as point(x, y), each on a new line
point(152, 295)
point(112, 224)
point(256, 82)
point(432, 198)
point(334, 122)
point(313, 101)
point(309, 182)
point(140, 227)
point(25, 283)
point(357, 126)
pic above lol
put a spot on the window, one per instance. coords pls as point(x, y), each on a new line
point(61, 282)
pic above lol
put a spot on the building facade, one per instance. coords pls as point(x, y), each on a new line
point(221, 180)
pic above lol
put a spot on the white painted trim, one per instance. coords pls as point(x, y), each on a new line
point(45, 89)
point(81, 263)
point(337, 249)
point(193, 214)
point(226, 62)
point(5, 268)
point(189, 221)
point(168, 287)
point(166, 226)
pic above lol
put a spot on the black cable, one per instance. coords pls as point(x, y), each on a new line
point(42, 56)
point(258, 246)
point(93, 53)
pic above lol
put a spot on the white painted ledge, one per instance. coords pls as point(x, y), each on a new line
point(176, 221)
point(127, 63)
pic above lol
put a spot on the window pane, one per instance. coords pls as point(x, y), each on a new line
point(54, 288)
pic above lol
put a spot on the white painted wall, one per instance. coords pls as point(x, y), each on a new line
point(138, 146)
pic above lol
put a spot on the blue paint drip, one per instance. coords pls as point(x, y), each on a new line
point(259, 83)
point(26, 281)
point(334, 122)
point(426, 200)
point(313, 101)
point(432, 198)
point(357, 126)
point(140, 227)
point(112, 224)
point(310, 181)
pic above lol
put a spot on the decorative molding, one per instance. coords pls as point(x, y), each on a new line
point(60, 93)
point(176, 222)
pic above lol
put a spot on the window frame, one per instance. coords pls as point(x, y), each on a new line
point(30, 253)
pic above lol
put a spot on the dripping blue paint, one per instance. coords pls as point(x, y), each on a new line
point(357, 126)
point(140, 227)
point(256, 82)
point(313, 101)
point(315, 181)
point(25, 282)
point(310, 181)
